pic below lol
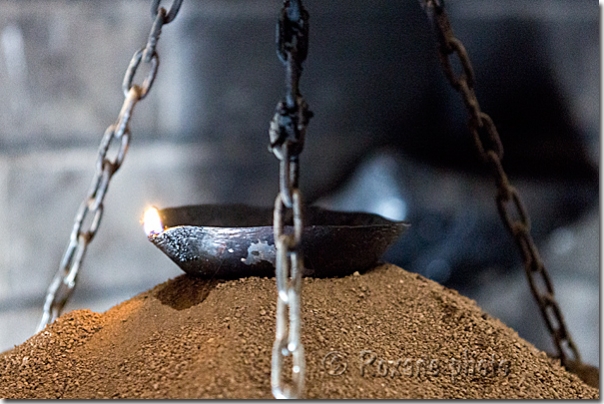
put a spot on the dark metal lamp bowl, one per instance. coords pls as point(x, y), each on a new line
point(234, 241)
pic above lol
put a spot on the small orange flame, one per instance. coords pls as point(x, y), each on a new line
point(152, 222)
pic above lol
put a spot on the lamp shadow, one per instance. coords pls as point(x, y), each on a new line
point(185, 291)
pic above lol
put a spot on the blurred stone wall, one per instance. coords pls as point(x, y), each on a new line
point(61, 69)
point(201, 134)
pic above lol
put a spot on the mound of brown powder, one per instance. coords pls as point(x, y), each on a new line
point(384, 334)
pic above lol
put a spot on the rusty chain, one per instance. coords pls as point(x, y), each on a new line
point(509, 204)
point(90, 213)
point(286, 133)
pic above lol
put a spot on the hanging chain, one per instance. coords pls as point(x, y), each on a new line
point(286, 132)
point(88, 217)
point(511, 209)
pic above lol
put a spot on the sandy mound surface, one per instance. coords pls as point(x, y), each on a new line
point(383, 334)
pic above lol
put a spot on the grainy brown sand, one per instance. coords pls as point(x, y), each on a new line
point(383, 334)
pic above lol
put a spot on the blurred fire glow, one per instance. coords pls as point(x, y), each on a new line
point(151, 222)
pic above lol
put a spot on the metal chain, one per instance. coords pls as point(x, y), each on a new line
point(511, 208)
point(90, 213)
point(286, 133)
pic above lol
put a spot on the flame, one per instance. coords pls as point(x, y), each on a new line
point(151, 222)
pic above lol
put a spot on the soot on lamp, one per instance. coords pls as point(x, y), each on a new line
point(234, 241)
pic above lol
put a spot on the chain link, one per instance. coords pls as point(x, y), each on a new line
point(169, 15)
point(288, 272)
point(89, 215)
point(287, 131)
point(511, 208)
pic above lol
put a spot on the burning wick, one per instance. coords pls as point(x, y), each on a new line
point(151, 222)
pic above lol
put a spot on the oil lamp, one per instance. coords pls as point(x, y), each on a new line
point(232, 241)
